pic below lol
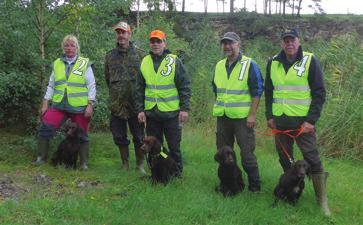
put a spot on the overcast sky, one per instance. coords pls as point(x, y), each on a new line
point(329, 6)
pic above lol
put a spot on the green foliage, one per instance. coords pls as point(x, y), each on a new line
point(205, 53)
point(157, 21)
point(341, 125)
point(19, 105)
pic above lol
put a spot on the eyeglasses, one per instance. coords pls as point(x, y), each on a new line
point(157, 41)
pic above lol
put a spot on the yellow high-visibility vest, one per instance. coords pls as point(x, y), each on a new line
point(160, 87)
point(291, 94)
point(75, 86)
point(233, 96)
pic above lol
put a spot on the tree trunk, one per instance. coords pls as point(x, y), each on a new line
point(298, 9)
point(40, 24)
point(283, 7)
point(205, 6)
point(138, 16)
point(269, 7)
point(244, 5)
point(183, 6)
point(293, 8)
point(231, 8)
point(256, 6)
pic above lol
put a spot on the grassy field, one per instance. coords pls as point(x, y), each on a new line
point(107, 195)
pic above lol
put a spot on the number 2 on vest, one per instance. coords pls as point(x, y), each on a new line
point(243, 69)
point(78, 71)
point(300, 67)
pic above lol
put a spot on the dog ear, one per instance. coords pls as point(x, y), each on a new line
point(218, 156)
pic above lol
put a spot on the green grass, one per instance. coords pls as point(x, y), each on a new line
point(124, 198)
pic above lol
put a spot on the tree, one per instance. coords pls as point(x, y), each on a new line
point(299, 8)
point(231, 6)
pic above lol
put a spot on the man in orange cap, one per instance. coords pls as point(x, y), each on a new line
point(121, 69)
point(163, 94)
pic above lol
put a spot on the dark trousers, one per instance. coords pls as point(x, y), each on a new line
point(118, 128)
point(308, 147)
point(230, 129)
point(171, 129)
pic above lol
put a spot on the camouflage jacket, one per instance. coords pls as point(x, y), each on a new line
point(121, 70)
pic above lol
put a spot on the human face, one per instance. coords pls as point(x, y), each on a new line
point(157, 46)
point(290, 45)
point(123, 38)
point(70, 49)
point(230, 48)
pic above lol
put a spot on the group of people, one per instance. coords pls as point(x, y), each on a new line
point(153, 91)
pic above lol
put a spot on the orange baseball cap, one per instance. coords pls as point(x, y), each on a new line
point(157, 34)
point(122, 26)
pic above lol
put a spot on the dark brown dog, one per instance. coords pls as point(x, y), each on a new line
point(162, 166)
point(291, 183)
point(229, 173)
point(68, 149)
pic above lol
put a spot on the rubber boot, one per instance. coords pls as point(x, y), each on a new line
point(124, 152)
point(254, 183)
point(140, 161)
point(83, 155)
point(319, 183)
point(43, 146)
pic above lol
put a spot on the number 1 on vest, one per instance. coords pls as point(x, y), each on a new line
point(242, 73)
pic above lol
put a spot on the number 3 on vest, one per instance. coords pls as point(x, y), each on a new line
point(168, 66)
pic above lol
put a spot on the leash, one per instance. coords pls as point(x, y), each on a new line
point(276, 133)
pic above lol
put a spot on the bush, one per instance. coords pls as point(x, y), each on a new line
point(19, 99)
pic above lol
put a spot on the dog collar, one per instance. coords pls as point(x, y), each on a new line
point(163, 155)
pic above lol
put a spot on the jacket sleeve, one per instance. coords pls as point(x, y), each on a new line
point(255, 81)
point(268, 91)
point(107, 72)
point(317, 90)
point(182, 83)
point(139, 94)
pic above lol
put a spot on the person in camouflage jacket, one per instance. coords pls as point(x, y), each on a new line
point(121, 68)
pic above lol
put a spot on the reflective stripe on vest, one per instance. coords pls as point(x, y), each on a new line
point(160, 88)
point(291, 94)
point(75, 86)
point(233, 97)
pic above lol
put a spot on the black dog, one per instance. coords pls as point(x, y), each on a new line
point(162, 166)
point(229, 173)
point(291, 183)
point(68, 149)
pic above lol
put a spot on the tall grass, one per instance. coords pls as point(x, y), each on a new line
point(341, 124)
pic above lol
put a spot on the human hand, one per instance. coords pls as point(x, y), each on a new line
point(251, 120)
point(141, 117)
point(44, 107)
point(89, 111)
point(271, 124)
point(183, 116)
point(308, 128)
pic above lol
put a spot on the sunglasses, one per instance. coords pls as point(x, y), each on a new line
point(157, 41)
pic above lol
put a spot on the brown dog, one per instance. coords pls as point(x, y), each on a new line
point(68, 149)
point(291, 183)
point(162, 166)
point(229, 173)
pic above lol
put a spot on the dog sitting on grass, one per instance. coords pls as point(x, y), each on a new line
point(68, 149)
point(291, 183)
point(230, 175)
point(162, 166)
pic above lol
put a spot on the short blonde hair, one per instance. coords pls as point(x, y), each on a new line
point(72, 38)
